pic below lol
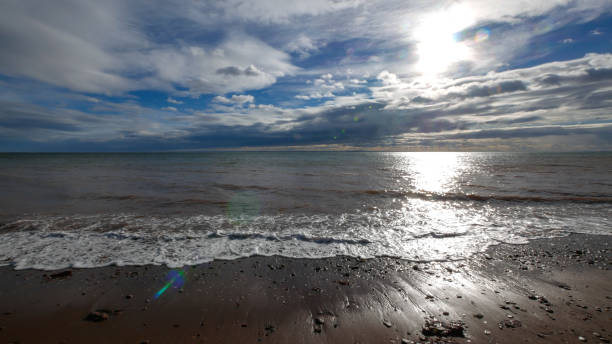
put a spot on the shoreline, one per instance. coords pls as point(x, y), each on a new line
point(548, 290)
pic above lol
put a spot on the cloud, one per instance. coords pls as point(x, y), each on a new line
point(173, 101)
point(237, 71)
point(235, 99)
point(96, 47)
point(88, 57)
point(303, 46)
point(68, 45)
point(388, 78)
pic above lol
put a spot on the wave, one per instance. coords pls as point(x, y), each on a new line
point(433, 231)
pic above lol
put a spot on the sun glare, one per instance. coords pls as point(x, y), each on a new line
point(438, 47)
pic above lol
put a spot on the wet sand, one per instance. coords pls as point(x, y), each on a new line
point(548, 291)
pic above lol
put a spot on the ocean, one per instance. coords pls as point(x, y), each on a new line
point(97, 209)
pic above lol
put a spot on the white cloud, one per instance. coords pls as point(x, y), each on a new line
point(235, 99)
point(280, 10)
point(388, 78)
point(173, 101)
point(169, 108)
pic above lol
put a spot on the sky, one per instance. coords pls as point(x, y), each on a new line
point(479, 75)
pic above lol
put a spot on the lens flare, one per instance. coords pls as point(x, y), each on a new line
point(175, 278)
point(481, 35)
point(242, 207)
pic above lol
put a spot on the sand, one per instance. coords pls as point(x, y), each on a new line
point(547, 291)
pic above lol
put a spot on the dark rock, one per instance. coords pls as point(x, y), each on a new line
point(97, 316)
point(512, 323)
point(434, 327)
point(61, 275)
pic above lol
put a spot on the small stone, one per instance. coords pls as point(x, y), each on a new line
point(97, 316)
point(319, 321)
point(487, 332)
point(405, 341)
point(445, 313)
point(386, 323)
point(478, 315)
point(582, 339)
point(129, 296)
point(59, 275)
point(511, 323)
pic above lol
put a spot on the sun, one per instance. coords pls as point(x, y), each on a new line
point(437, 44)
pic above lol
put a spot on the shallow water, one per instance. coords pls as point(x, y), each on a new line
point(87, 210)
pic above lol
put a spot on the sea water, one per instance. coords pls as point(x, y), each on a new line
point(89, 210)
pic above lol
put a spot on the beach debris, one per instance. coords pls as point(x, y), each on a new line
point(97, 316)
point(434, 327)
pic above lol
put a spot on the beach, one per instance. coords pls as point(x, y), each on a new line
point(547, 291)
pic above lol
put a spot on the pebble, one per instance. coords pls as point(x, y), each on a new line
point(582, 339)
point(97, 316)
point(478, 315)
point(487, 332)
point(388, 324)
